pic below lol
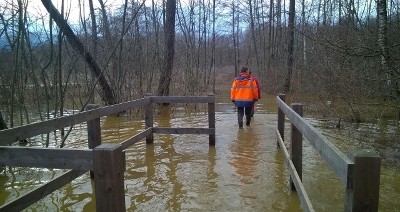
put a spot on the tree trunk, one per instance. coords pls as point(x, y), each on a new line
point(303, 24)
point(391, 79)
point(114, 70)
point(236, 71)
point(94, 41)
point(3, 124)
point(108, 95)
point(253, 34)
point(157, 56)
point(290, 45)
point(270, 34)
point(212, 63)
point(166, 74)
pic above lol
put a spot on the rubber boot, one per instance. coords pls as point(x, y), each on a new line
point(248, 119)
point(240, 121)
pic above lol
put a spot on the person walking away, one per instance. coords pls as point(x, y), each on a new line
point(243, 92)
point(259, 94)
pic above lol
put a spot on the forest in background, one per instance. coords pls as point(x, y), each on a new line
point(343, 53)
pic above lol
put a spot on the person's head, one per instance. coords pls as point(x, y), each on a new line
point(244, 69)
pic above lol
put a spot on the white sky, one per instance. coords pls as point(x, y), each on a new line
point(72, 8)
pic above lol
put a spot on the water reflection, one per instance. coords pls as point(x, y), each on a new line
point(170, 160)
point(382, 137)
point(245, 150)
point(280, 181)
point(4, 193)
point(211, 174)
point(160, 166)
point(244, 171)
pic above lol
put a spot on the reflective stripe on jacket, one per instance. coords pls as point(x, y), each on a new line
point(244, 90)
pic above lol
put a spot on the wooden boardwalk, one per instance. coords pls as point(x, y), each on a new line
point(245, 169)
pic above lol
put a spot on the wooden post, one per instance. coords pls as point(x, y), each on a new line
point(281, 120)
point(211, 120)
point(296, 149)
point(148, 116)
point(109, 167)
point(362, 191)
point(94, 131)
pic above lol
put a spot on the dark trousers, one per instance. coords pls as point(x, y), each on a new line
point(244, 111)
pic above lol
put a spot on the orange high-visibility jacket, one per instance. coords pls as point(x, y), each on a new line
point(244, 90)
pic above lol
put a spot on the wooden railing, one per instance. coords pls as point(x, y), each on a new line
point(360, 174)
point(105, 161)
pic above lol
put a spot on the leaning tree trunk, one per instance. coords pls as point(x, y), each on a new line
point(166, 73)
point(290, 45)
point(108, 95)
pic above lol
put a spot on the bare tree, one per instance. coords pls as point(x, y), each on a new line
point(253, 34)
point(292, 14)
point(108, 96)
point(391, 80)
point(165, 78)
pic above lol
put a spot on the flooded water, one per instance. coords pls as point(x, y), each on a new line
point(243, 172)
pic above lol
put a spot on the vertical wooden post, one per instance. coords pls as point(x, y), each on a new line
point(148, 116)
point(109, 167)
point(296, 149)
point(362, 192)
point(281, 120)
point(94, 131)
point(211, 120)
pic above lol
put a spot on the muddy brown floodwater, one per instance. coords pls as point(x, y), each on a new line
point(243, 172)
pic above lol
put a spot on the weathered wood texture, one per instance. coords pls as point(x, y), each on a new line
point(281, 119)
point(106, 160)
point(360, 174)
point(109, 167)
point(211, 121)
point(46, 158)
point(362, 192)
point(9, 136)
point(162, 130)
point(296, 145)
point(304, 199)
point(12, 135)
point(339, 163)
point(133, 140)
point(148, 117)
point(94, 131)
point(44, 190)
point(182, 99)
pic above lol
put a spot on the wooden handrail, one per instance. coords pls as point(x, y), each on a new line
point(79, 159)
point(182, 99)
point(37, 194)
point(304, 199)
point(360, 174)
point(339, 163)
point(12, 135)
point(106, 161)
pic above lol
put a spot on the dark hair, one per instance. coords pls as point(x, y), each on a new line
point(244, 69)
